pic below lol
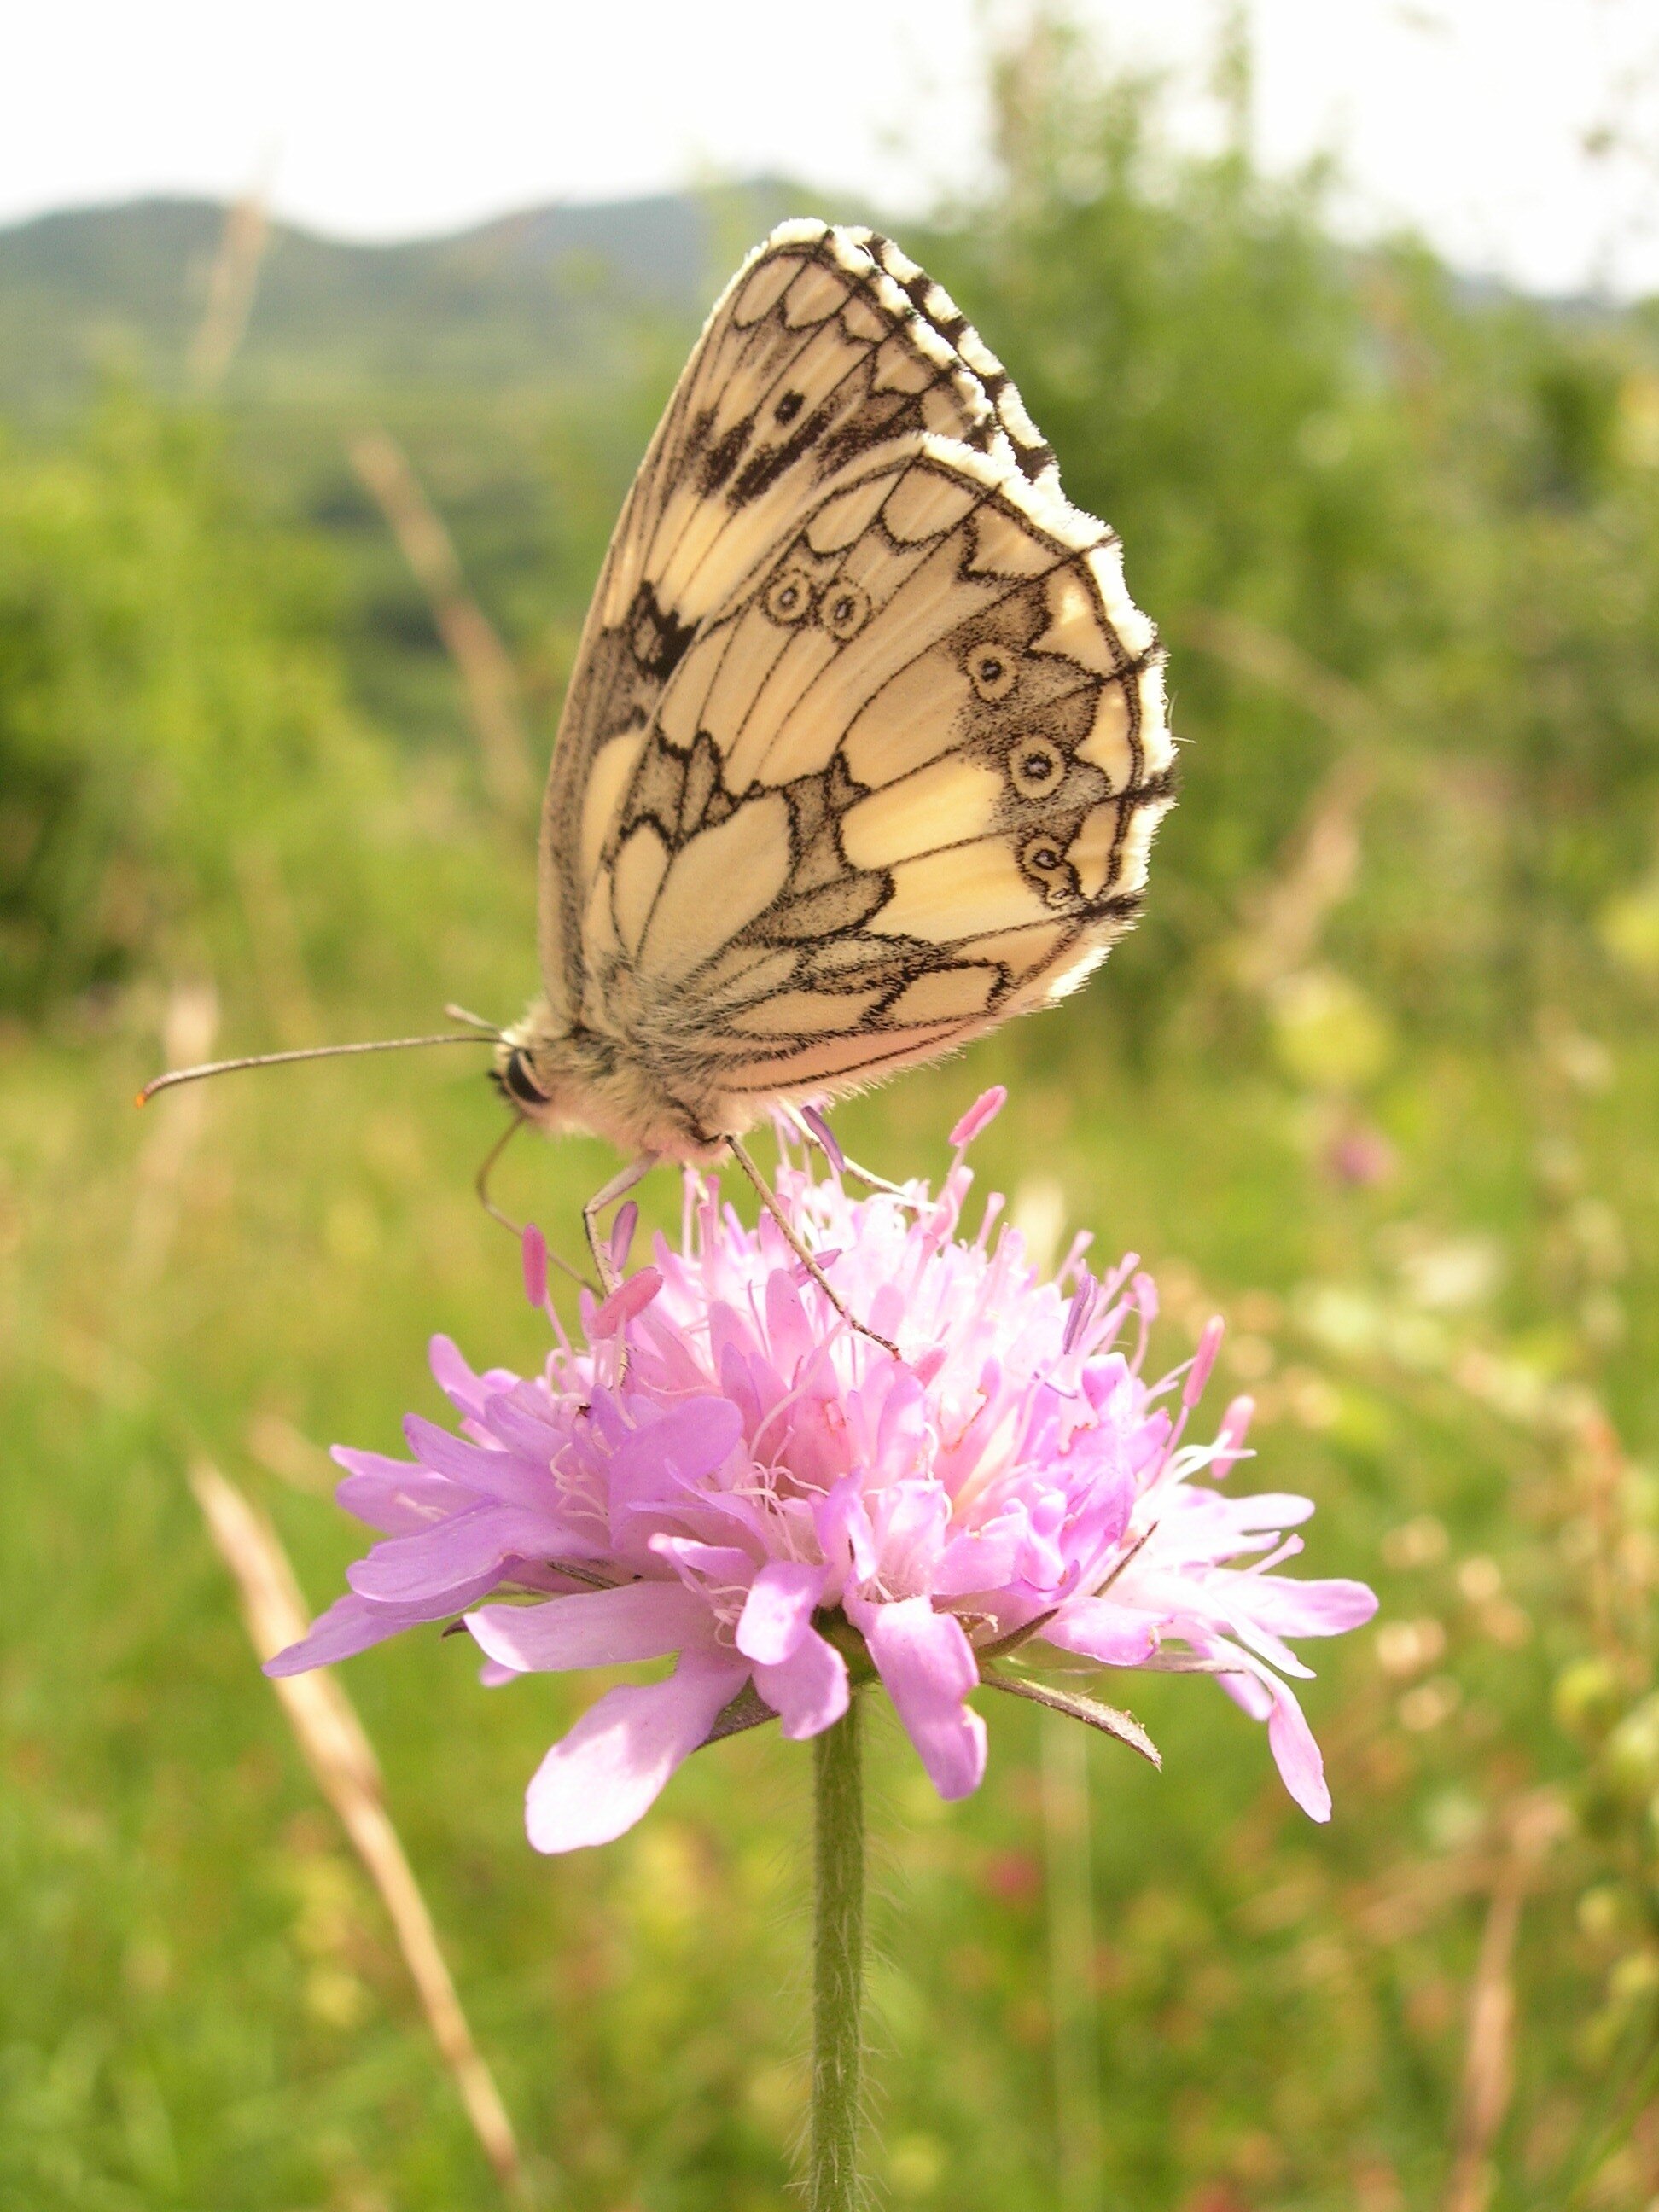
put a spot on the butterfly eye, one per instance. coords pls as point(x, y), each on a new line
point(519, 1082)
point(992, 672)
point(1044, 861)
point(790, 597)
point(844, 610)
point(1034, 766)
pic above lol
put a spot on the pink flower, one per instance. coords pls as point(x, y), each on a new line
point(729, 1475)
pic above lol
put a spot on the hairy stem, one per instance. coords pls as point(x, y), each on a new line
point(837, 1966)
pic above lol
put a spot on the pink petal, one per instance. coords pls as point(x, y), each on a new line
point(614, 1764)
point(393, 1496)
point(788, 1328)
point(1288, 1607)
point(807, 1691)
point(927, 1664)
point(843, 1527)
point(911, 1518)
point(1096, 1628)
point(1264, 1697)
point(1264, 1512)
point(406, 1570)
point(652, 1463)
point(488, 1473)
point(698, 1564)
point(1236, 1621)
point(1249, 1692)
point(592, 1628)
point(1297, 1754)
point(526, 1425)
point(353, 1624)
point(778, 1611)
point(463, 1389)
point(983, 1560)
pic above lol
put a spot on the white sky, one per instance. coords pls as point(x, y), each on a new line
point(392, 119)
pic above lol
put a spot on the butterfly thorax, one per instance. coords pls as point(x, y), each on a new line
point(564, 1078)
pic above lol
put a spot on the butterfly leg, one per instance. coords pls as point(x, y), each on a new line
point(618, 1187)
point(870, 1181)
point(767, 1199)
point(815, 1131)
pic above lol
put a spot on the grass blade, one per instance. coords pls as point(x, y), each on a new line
point(339, 1754)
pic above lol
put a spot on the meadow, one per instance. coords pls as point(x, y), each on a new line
point(1378, 1077)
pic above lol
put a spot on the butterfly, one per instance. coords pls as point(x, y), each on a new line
point(866, 742)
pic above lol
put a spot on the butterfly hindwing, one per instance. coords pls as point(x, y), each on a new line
point(867, 744)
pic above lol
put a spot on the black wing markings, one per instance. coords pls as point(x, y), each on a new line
point(683, 791)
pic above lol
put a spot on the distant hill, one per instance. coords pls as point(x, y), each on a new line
point(548, 292)
point(521, 364)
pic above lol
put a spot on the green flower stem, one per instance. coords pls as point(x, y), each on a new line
point(832, 2183)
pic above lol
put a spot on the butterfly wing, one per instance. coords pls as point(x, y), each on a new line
point(866, 745)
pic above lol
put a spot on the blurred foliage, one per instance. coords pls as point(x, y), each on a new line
point(1447, 496)
point(1378, 1077)
point(175, 738)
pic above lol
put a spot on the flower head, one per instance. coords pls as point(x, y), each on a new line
point(727, 1473)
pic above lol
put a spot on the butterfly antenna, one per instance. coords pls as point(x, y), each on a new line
point(176, 1075)
point(473, 1021)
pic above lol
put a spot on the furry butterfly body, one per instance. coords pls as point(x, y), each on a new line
point(865, 744)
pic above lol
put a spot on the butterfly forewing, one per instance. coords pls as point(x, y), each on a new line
point(866, 745)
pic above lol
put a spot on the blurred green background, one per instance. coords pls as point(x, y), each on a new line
point(1378, 1077)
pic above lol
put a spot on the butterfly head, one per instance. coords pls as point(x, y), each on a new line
point(561, 1079)
point(529, 1072)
